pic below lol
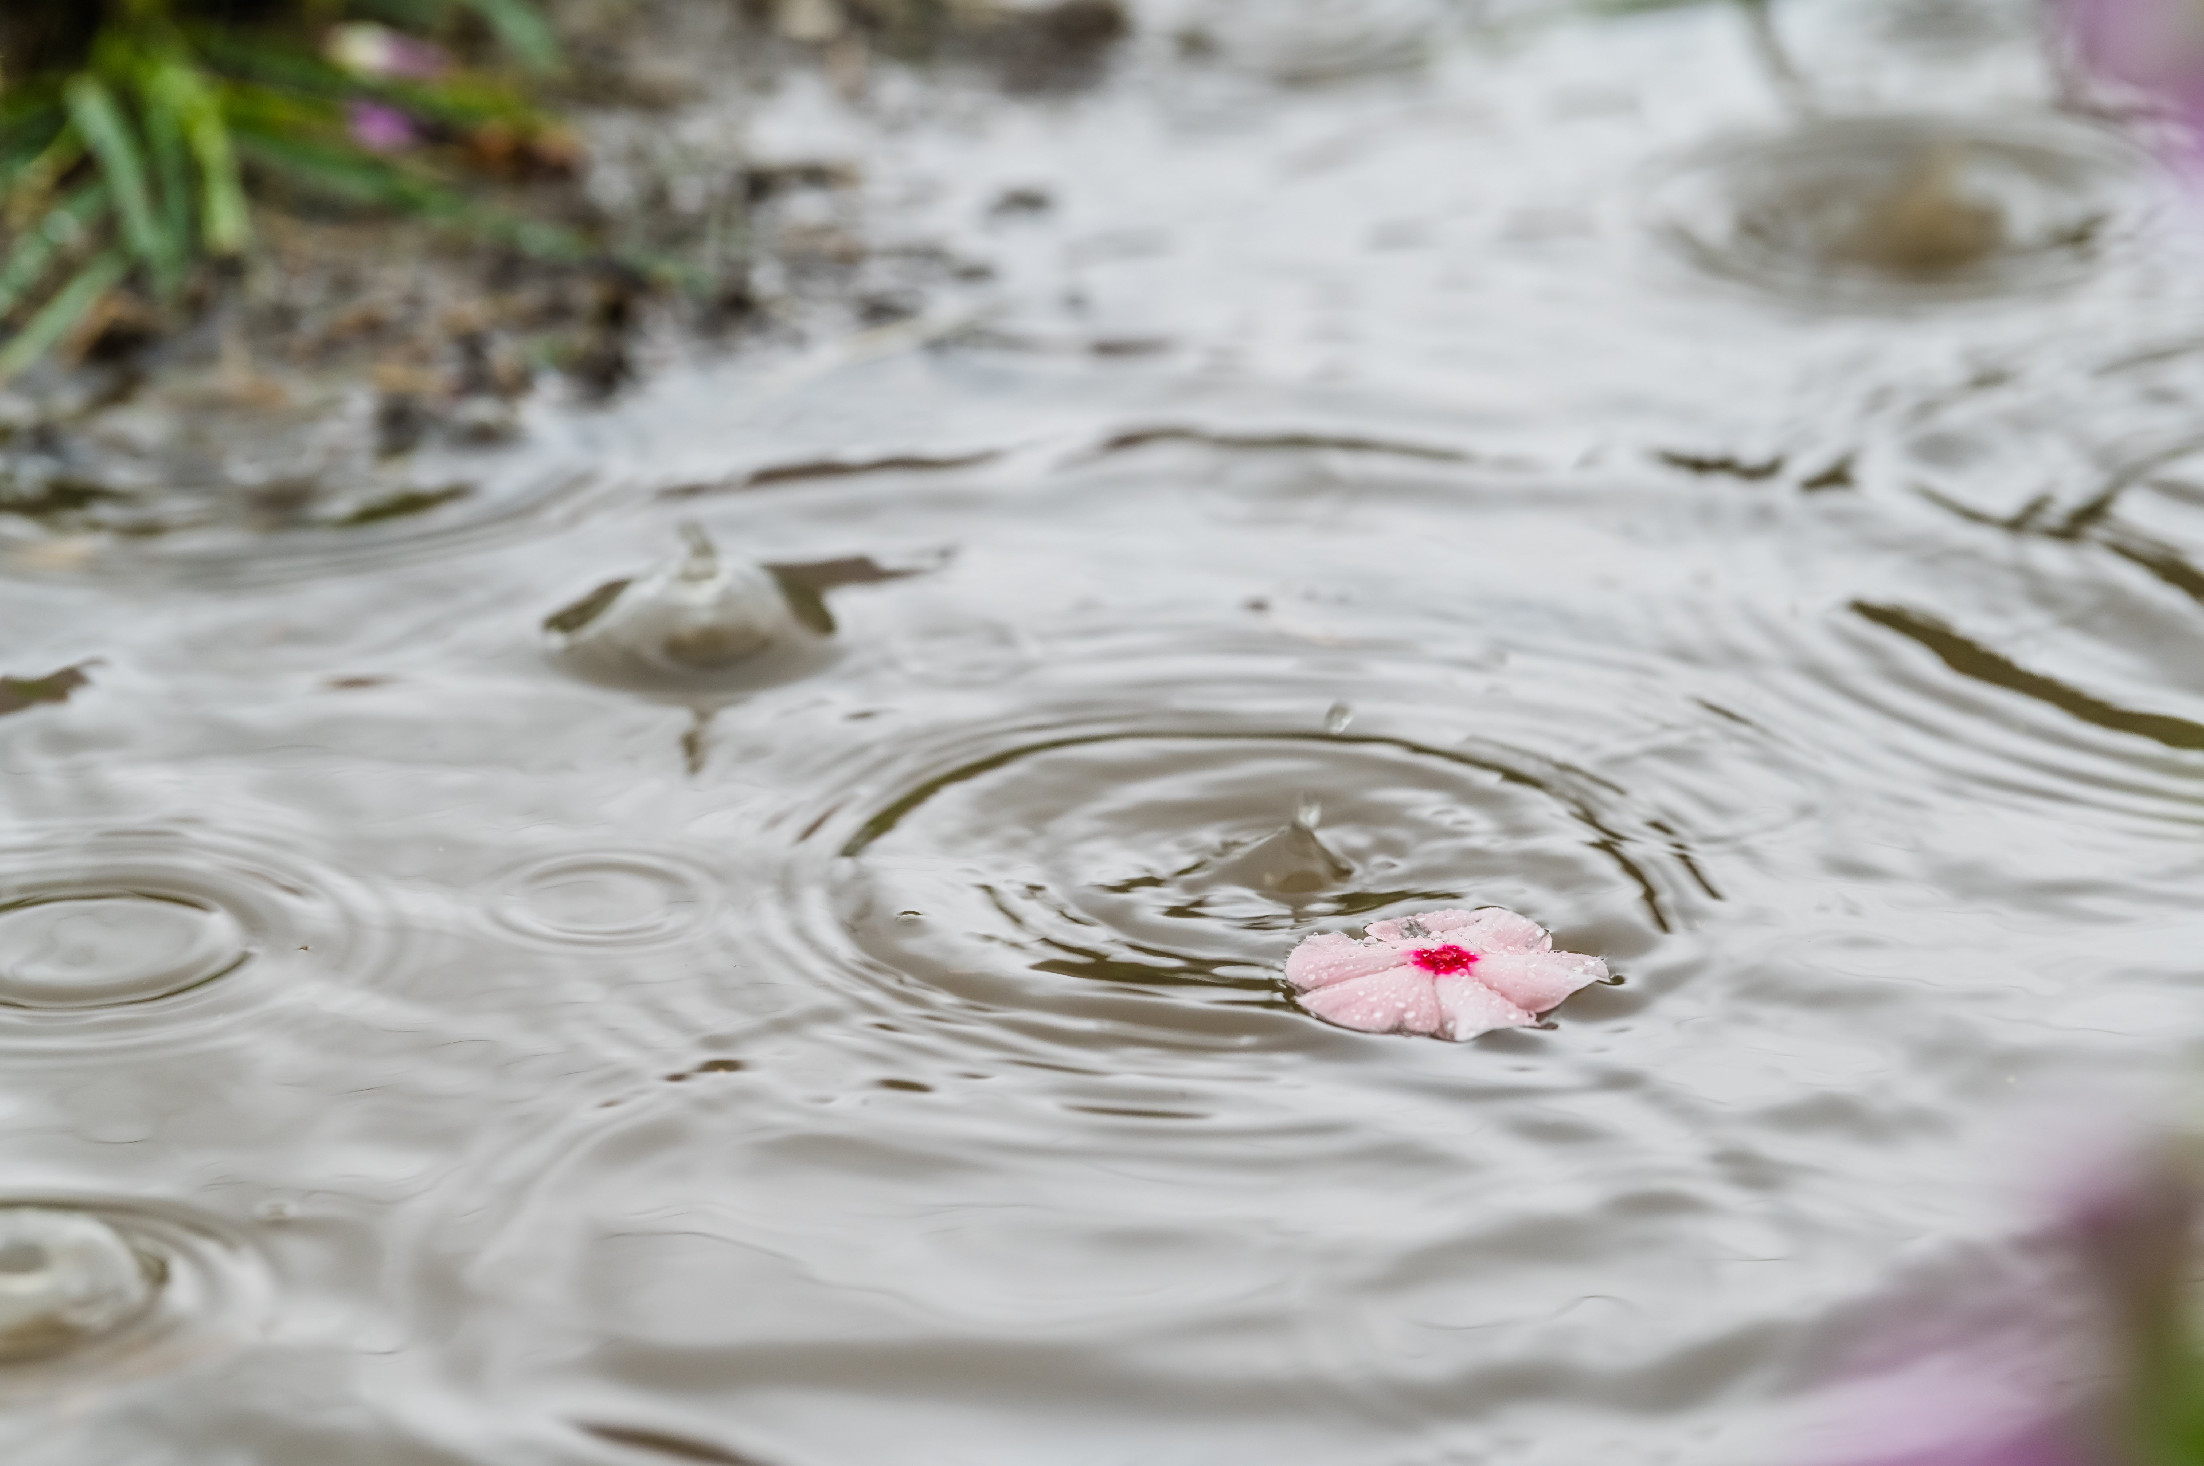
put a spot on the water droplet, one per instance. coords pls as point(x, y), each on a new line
point(1309, 813)
point(1338, 718)
point(702, 617)
point(99, 949)
point(65, 1279)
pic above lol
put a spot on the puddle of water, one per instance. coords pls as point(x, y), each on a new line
point(571, 994)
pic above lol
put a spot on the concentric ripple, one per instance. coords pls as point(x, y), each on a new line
point(146, 935)
point(1887, 210)
point(98, 1291)
point(1086, 866)
point(1302, 41)
point(614, 898)
point(284, 529)
point(98, 949)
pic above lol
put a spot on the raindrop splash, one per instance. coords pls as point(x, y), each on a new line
point(65, 1279)
point(703, 622)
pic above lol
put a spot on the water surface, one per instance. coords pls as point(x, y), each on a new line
point(885, 1061)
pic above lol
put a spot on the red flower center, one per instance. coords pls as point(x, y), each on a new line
point(1444, 961)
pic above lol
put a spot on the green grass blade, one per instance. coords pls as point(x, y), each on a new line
point(164, 135)
point(225, 218)
point(100, 122)
point(61, 315)
point(522, 30)
point(41, 247)
point(343, 173)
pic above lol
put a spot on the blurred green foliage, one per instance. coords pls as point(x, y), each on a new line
point(134, 135)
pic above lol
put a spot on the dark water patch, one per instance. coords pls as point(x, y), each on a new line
point(666, 1444)
point(404, 504)
point(1283, 442)
point(834, 468)
point(1722, 465)
point(18, 693)
point(1971, 659)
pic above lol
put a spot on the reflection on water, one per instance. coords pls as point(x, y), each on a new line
point(808, 987)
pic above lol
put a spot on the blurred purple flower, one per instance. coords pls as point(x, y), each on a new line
point(378, 51)
point(2156, 46)
point(379, 128)
point(2047, 1442)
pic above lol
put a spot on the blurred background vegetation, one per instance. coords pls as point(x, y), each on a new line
point(136, 134)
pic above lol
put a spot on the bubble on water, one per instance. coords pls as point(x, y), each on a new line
point(65, 1278)
point(1338, 718)
point(98, 949)
point(1888, 209)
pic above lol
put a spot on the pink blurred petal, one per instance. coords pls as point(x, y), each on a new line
point(1330, 957)
point(380, 129)
point(1537, 981)
point(1400, 1000)
point(1472, 1008)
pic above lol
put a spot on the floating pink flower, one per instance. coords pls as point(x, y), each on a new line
point(1453, 974)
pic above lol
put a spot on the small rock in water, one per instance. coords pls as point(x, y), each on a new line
point(1927, 225)
point(65, 1279)
point(697, 622)
point(1450, 974)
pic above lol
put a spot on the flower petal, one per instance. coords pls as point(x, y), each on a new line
point(1537, 981)
point(1471, 1008)
point(1487, 929)
point(1330, 957)
point(1398, 1000)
